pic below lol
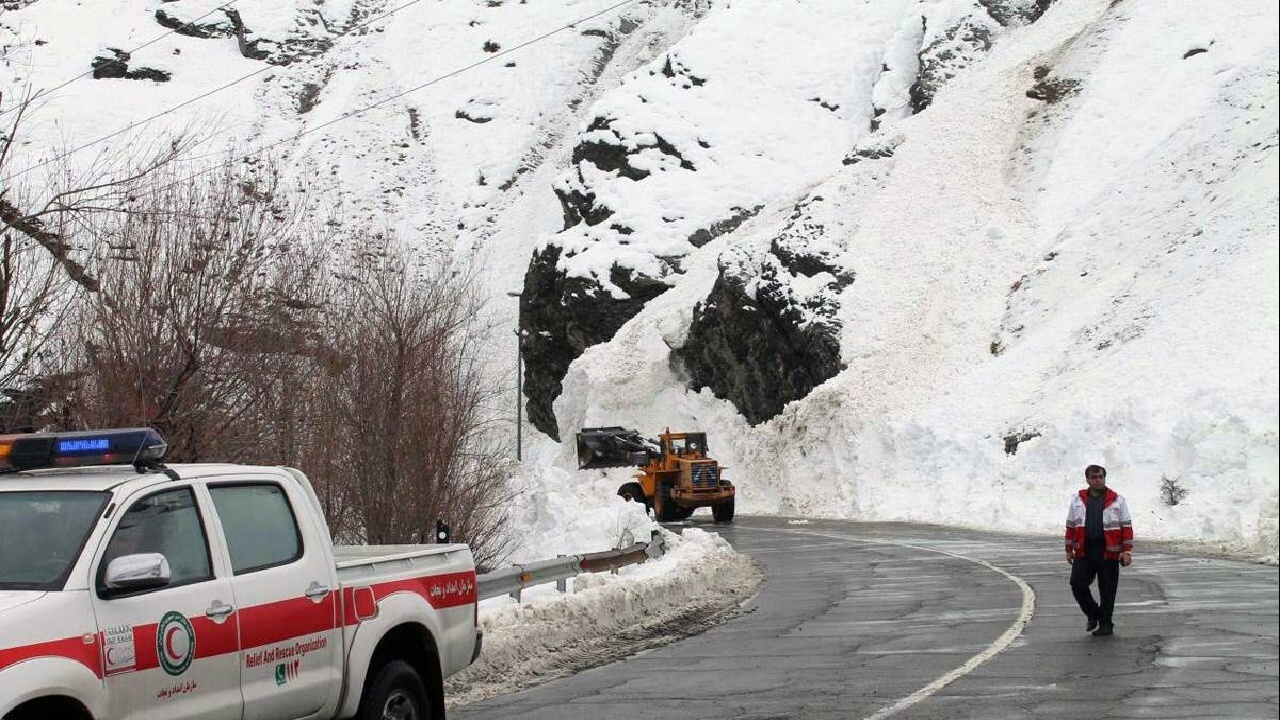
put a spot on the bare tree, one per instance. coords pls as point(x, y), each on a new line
point(208, 307)
point(73, 191)
point(194, 311)
point(408, 442)
point(34, 295)
point(44, 206)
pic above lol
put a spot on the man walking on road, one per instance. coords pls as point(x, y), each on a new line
point(1099, 540)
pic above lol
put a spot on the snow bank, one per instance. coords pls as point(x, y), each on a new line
point(607, 617)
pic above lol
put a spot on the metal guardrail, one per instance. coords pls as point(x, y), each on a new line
point(512, 580)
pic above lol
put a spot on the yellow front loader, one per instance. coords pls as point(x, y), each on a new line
point(676, 475)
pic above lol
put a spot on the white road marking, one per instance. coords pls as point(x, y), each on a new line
point(995, 648)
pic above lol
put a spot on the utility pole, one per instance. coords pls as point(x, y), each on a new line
point(519, 380)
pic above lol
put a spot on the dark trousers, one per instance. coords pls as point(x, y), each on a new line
point(1083, 571)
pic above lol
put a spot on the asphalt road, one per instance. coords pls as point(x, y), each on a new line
point(876, 621)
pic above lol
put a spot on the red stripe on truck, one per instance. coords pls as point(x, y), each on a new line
point(259, 624)
point(442, 591)
point(273, 622)
point(72, 648)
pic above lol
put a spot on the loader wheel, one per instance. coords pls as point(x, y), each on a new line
point(723, 513)
point(632, 491)
point(684, 513)
point(666, 509)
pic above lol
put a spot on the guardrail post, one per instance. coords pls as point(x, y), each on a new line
point(563, 583)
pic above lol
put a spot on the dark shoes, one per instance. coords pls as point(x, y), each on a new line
point(1093, 625)
point(1104, 629)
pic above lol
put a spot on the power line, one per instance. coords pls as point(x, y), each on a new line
point(197, 98)
point(143, 46)
point(352, 113)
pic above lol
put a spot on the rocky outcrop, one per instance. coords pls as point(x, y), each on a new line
point(562, 316)
point(955, 49)
point(314, 34)
point(1015, 12)
point(117, 66)
point(757, 340)
point(953, 43)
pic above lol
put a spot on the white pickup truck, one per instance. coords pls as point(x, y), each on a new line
point(209, 591)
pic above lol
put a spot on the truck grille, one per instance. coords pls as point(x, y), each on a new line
point(705, 477)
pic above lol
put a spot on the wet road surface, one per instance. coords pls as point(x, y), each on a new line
point(879, 620)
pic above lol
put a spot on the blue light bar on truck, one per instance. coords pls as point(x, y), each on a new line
point(130, 446)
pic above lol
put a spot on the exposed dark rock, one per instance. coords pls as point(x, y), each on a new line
point(205, 31)
point(308, 97)
point(1193, 52)
point(248, 48)
point(462, 115)
point(825, 105)
point(869, 153)
point(669, 149)
point(580, 207)
point(491, 46)
point(677, 70)
point(764, 350)
point(702, 236)
point(149, 74)
point(953, 51)
point(560, 317)
point(1012, 440)
point(874, 147)
point(610, 155)
point(117, 66)
point(752, 350)
point(875, 120)
point(1052, 89)
point(415, 123)
point(1015, 12)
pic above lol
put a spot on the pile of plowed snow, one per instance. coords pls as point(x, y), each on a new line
point(699, 582)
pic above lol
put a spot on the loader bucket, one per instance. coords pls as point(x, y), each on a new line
point(610, 447)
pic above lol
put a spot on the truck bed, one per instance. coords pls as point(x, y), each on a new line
point(362, 564)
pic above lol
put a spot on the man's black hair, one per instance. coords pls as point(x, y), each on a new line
point(1095, 469)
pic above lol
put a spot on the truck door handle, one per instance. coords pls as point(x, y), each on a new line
point(219, 610)
point(317, 592)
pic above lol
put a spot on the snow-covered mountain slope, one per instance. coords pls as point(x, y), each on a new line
point(1038, 284)
point(910, 259)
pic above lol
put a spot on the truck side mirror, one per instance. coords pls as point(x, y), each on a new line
point(143, 571)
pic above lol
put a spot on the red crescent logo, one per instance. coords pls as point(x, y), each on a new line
point(168, 643)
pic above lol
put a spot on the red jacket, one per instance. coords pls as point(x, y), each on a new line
point(1117, 525)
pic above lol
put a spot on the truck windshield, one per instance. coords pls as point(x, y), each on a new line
point(41, 533)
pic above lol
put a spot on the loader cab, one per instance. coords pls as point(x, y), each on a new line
point(686, 446)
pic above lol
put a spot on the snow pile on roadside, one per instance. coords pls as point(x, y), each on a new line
point(557, 512)
point(699, 581)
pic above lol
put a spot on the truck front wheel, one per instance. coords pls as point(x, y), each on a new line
point(397, 693)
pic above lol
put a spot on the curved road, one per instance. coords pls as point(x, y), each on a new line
point(876, 621)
